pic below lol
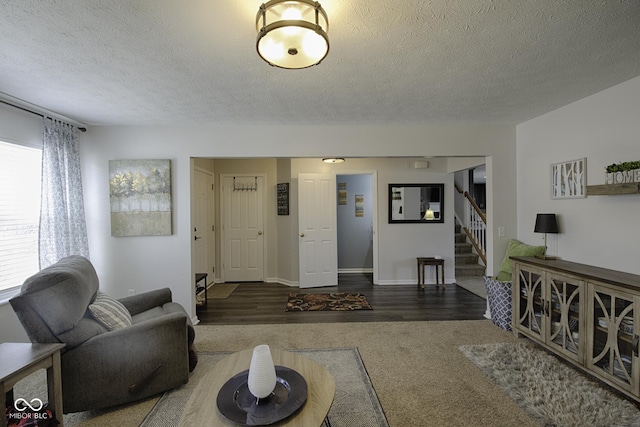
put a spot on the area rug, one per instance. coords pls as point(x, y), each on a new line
point(475, 285)
point(337, 301)
point(550, 390)
point(221, 290)
point(355, 402)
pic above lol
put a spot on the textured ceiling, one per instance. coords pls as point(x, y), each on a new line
point(151, 62)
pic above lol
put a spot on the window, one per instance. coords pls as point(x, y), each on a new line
point(20, 169)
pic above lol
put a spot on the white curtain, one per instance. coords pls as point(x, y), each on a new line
point(63, 230)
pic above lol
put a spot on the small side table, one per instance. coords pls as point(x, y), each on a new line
point(19, 360)
point(199, 278)
point(430, 261)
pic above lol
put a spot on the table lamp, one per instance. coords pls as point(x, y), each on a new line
point(546, 223)
point(428, 215)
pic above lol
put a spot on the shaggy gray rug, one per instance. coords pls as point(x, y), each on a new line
point(550, 390)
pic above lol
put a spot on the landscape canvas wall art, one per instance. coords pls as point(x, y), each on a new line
point(140, 197)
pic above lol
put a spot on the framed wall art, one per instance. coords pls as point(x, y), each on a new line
point(140, 197)
point(342, 193)
point(569, 179)
point(283, 198)
point(359, 205)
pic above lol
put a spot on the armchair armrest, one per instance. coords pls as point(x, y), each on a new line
point(146, 300)
point(150, 355)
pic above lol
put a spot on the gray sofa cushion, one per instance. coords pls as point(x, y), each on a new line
point(85, 329)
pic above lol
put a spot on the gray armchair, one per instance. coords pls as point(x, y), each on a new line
point(102, 367)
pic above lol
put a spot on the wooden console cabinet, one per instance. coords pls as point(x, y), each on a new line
point(589, 316)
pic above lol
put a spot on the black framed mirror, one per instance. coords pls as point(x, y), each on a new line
point(416, 203)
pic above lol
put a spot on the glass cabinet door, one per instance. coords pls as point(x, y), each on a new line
point(529, 301)
point(564, 308)
point(614, 346)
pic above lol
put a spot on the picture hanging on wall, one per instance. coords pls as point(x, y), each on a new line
point(569, 179)
point(359, 205)
point(283, 198)
point(342, 193)
point(140, 197)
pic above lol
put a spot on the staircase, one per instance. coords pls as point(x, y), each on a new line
point(466, 261)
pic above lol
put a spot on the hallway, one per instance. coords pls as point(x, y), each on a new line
point(264, 303)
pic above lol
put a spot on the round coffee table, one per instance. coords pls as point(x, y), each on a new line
point(202, 410)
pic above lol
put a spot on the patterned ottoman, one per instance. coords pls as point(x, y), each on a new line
point(499, 298)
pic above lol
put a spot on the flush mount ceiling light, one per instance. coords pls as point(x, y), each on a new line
point(292, 33)
point(334, 160)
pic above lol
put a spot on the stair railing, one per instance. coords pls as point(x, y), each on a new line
point(475, 226)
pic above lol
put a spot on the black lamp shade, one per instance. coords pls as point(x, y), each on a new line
point(546, 223)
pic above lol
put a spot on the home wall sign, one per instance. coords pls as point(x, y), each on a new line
point(623, 173)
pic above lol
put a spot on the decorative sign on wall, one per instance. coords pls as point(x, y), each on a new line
point(623, 173)
point(569, 179)
point(283, 198)
point(140, 196)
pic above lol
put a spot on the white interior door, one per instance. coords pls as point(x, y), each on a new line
point(203, 187)
point(318, 236)
point(243, 228)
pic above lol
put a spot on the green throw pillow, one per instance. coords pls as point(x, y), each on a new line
point(516, 248)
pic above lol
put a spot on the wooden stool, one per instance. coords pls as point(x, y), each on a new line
point(430, 261)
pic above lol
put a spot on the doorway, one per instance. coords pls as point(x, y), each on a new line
point(353, 196)
point(355, 222)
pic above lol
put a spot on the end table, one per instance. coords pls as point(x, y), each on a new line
point(19, 360)
point(431, 261)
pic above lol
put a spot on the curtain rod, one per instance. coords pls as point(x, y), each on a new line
point(43, 115)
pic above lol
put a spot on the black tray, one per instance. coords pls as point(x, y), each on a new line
point(237, 404)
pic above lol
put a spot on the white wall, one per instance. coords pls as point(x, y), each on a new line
point(149, 262)
point(146, 263)
point(605, 128)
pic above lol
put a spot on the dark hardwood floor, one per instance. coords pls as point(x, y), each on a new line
point(264, 303)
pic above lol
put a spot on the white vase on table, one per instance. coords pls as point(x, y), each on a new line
point(262, 372)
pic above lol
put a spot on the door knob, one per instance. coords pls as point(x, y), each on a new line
point(259, 233)
point(301, 234)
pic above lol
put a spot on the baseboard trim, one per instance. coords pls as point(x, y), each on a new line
point(355, 270)
point(415, 283)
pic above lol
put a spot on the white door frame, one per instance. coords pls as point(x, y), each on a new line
point(211, 236)
point(374, 219)
point(222, 224)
